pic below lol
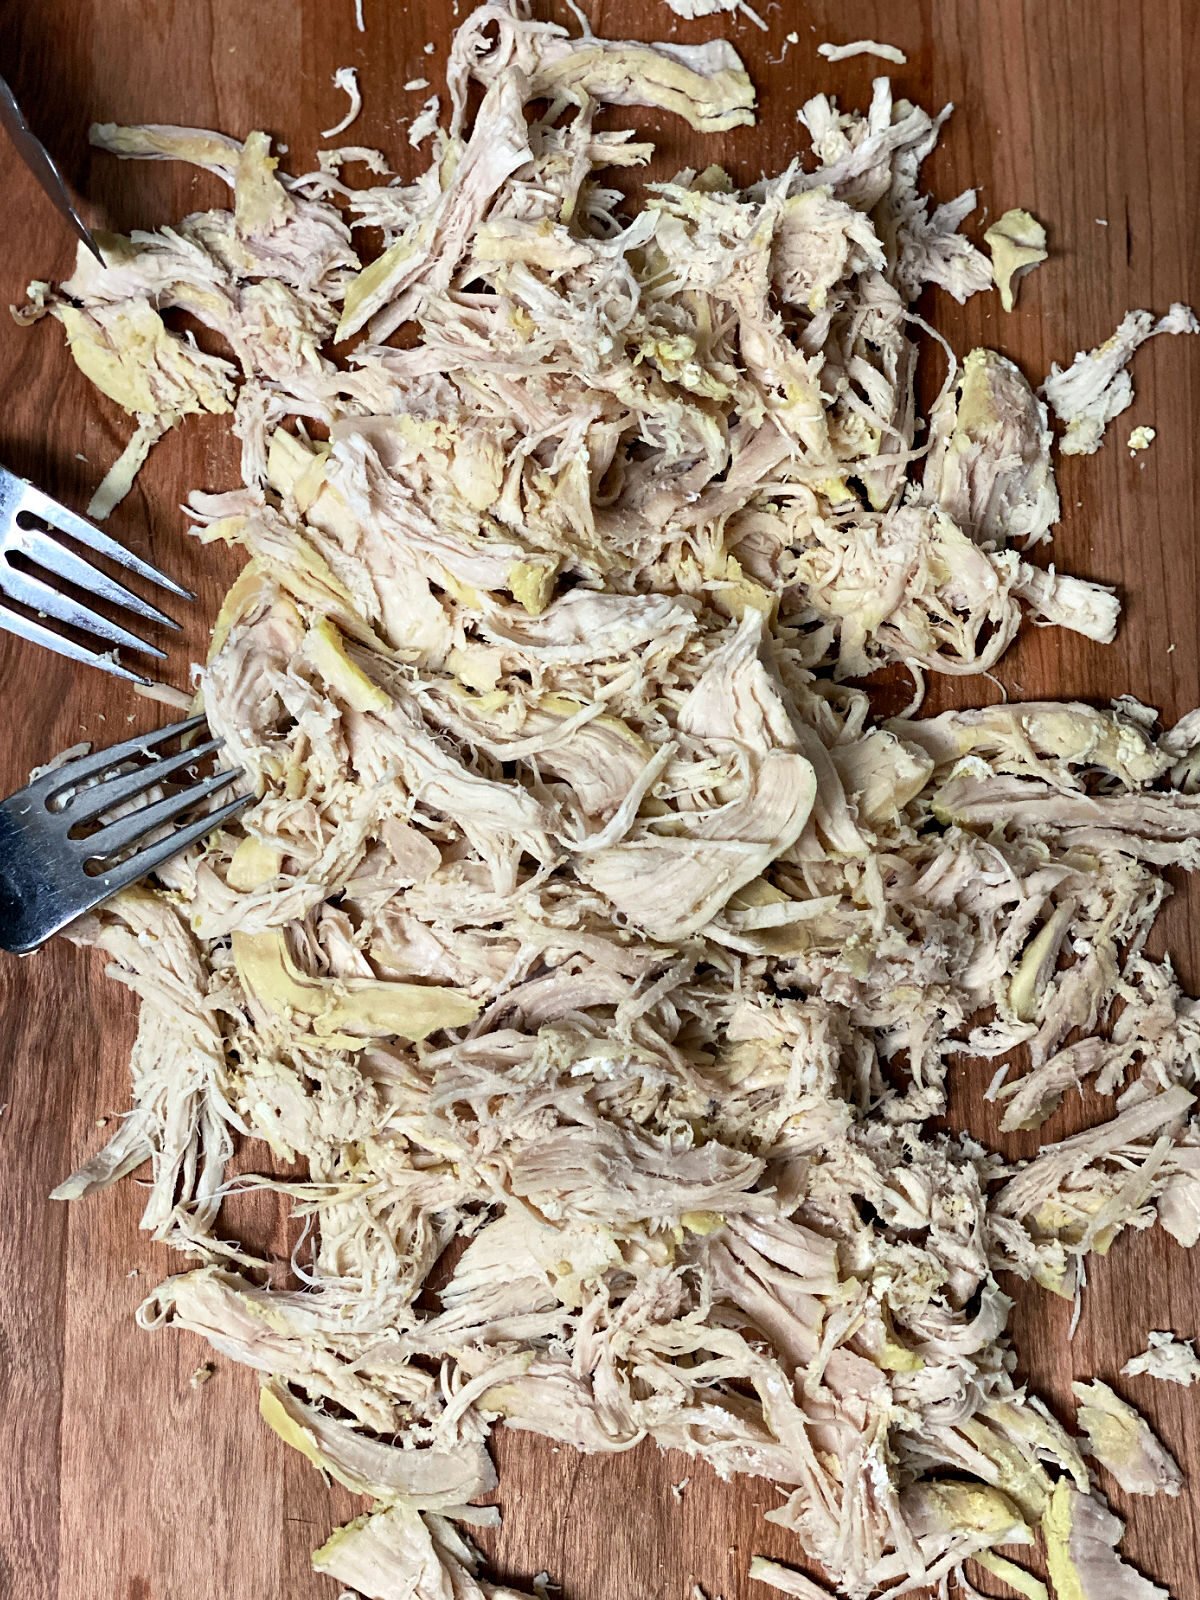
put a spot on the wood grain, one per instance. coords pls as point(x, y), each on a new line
point(123, 1480)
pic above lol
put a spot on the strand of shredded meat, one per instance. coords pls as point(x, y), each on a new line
point(590, 940)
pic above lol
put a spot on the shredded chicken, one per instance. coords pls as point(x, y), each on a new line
point(1081, 1551)
point(786, 1579)
point(862, 47)
point(1167, 1358)
point(1018, 243)
point(595, 949)
point(1096, 387)
point(425, 122)
point(1123, 1442)
point(346, 79)
point(689, 10)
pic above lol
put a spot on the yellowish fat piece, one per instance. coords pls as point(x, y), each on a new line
point(702, 1223)
point(1029, 980)
point(310, 580)
point(260, 200)
point(118, 373)
point(354, 1007)
point(1080, 734)
point(977, 1508)
point(311, 482)
point(490, 700)
point(226, 530)
point(137, 362)
point(1056, 1532)
point(328, 654)
point(1055, 1277)
point(477, 470)
point(372, 287)
point(1009, 1572)
point(476, 667)
point(520, 320)
point(835, 490)
point(976, 412)
point(893, 1356)
point(1017, 241)
point(505, 1398)
point(322, 1556)
point(758, 892)
point(253, 863)
point(271, 1409)
point(249, 587)
point(275, 1414)
point(1046, 1438)
point(1026, 1484)
point(532, 584)
point(1113, 1427)
point(734, 593)
point(309, 577)
point(118, 480)
point(296, 469)
point(482, 702)
point(465, 593)
point(287, 460)
point(560, 705)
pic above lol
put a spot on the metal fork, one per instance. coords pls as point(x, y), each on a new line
point(43, 533)
point(44, 856)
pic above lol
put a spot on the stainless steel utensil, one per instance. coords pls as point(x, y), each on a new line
point(46, 848)
point(41, 163)
point(45, 536)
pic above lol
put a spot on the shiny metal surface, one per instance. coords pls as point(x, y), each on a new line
point(45, 883)
point(41, 163)
point(46, 538)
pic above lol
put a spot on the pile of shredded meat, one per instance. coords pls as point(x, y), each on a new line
point(594, 946)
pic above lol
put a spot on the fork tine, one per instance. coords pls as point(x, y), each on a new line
point(43, 597)
point(64, 563)
point(72, 773)
point(126, 831)
point(35, 633)
point(153, 856)
point(109, 792)
point(58, 516)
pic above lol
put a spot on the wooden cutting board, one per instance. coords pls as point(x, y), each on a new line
point(126, 1481)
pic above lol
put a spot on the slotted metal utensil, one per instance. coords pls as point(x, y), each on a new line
point(42, 164)
point(46, 850)
point(48, 540)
